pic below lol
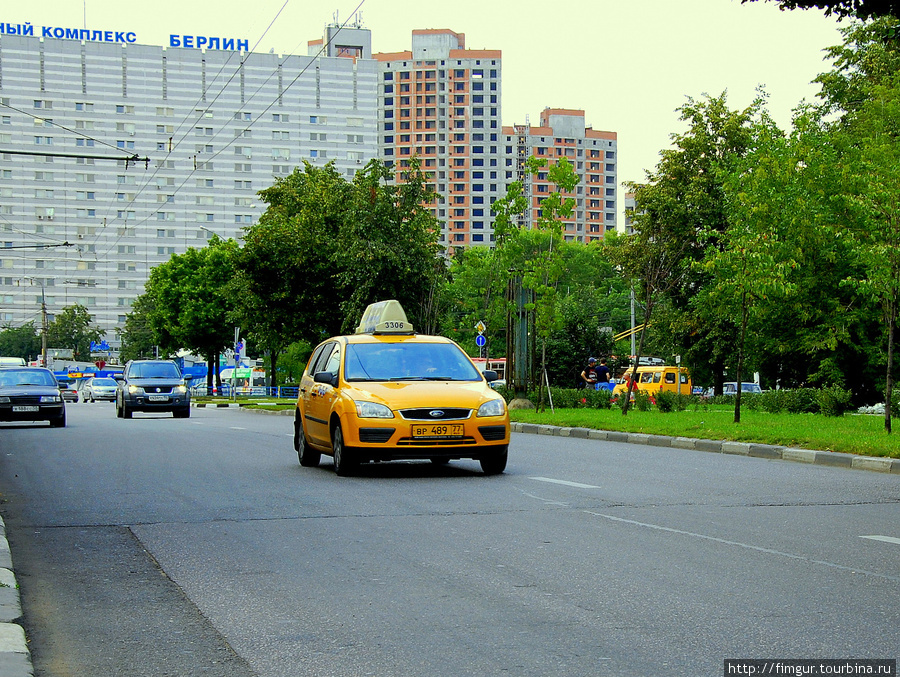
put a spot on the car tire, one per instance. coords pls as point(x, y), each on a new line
point(496, 463)
point(440, 461)
point(182, 413)
point(59, 422)
point(308, 457)
point(118, 410)
point(344, 459)
point(126, 412)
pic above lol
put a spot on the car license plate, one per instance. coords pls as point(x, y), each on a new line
point(436, 431)
point(23, 408)
point(158, 398)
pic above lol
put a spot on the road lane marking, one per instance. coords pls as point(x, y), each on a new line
point(886, 539)
point(566, 483)
point(234, 427)
point(738, 544)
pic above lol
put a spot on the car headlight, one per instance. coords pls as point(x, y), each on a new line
point(4, 400)
point(492, 408)
point(373, 410)
point(50, 398)
point(181, 390)
point(135, 390)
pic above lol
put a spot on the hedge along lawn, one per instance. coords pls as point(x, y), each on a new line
point(851, 433)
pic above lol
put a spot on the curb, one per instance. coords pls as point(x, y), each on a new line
point(829, 458)
point(15, 658)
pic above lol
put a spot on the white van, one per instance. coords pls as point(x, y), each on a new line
point(12, 362)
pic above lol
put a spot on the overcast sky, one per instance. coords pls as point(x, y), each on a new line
point(627, 63)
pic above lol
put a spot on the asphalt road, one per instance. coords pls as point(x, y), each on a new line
point(156, 546)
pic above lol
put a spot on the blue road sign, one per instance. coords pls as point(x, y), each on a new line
point(480, 341)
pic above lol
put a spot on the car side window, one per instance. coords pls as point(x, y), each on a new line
point(657, 376)
point(323, 358)
point(334, 361)
point(314, 360)
point(670, 377)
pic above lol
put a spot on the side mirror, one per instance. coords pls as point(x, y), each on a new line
point(490, 375)
point(188, 377)
point(326, 377)
point(119, 377)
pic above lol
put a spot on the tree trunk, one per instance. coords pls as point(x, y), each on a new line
point(740, 360)
point(637, 357)
point(210, 372)
point(273, 363)
point(889, 381)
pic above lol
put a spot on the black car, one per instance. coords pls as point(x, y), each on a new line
point(31, 394)
point(153, 385)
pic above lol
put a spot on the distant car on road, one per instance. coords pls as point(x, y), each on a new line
point(67, 389)
point(730, 388)
point(152, 385)
point(31, 394)
point(99, 388)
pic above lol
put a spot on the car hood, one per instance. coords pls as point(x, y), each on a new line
point(12, 391)
point(406, 394)
point(144, 382)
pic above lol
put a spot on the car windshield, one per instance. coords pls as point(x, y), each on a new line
point(27, 377)
point(154, 370)
point(103, 382)
point(408, 361)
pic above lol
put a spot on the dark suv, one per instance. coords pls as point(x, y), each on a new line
point(152, 385)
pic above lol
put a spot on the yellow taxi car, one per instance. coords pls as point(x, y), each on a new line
point(386, 393)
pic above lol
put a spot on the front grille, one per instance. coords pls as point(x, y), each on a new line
point(492, 432)
point(157, 390)
point(436, 414)
point(375, 435)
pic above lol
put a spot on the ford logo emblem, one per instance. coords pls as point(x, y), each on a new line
point(436, 413)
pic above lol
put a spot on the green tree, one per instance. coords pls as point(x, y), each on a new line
point(750, 265)
point(679, 214)
point(286, 287)
point(873, 162)
point(21, 342)
point(533, 258)
point(138, 338)
point(191, 306)
point(388, 245)
point(73, 328)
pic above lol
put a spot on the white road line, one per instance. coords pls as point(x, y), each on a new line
point(738, 544)
point(566, 483)
point(886, 539)
point(234, 427)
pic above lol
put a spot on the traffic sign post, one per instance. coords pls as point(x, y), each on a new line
point(481, 339)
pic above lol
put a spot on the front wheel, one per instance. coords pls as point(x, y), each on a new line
point(182, 413)
point(344, 461)
point(58, 422)
point(126, 412)
point(496, 464)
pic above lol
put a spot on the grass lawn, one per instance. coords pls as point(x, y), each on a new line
point(852, 434)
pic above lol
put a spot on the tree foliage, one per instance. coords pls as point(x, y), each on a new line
point(859, 9)
point(73, 328)
point(21, 342)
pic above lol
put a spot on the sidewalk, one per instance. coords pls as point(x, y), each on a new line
point(15, 659)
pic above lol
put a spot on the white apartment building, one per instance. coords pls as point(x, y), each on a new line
point(116, 155)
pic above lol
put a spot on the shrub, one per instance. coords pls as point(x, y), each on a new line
point(642, 400)
point(668, 401)
point(833, 400)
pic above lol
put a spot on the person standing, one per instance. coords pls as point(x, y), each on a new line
point(589, 375)
point(603, 374)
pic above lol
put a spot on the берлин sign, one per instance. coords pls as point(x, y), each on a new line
point(89, 35)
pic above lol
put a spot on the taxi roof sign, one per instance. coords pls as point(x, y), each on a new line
point(384, 317)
